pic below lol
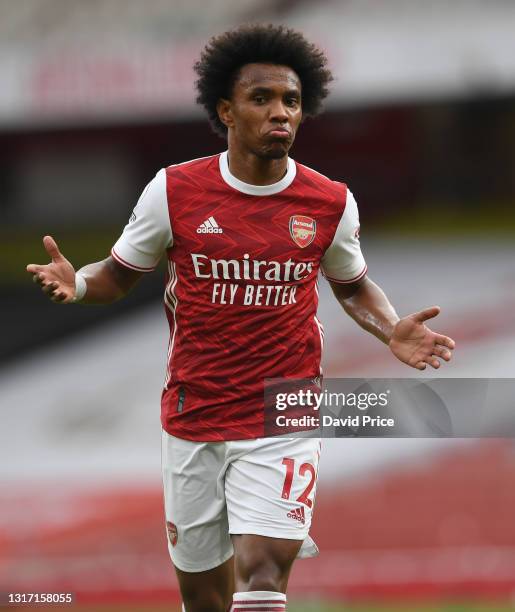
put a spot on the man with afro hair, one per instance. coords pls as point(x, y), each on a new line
point(245, 233)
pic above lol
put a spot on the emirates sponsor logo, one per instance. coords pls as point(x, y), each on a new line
point(297, 515)
point(277, 280)
point(302, 230)
point(250, 269)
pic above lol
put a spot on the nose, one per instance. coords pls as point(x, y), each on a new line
point(278, 112)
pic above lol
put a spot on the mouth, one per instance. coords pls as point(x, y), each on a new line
point(279, 133)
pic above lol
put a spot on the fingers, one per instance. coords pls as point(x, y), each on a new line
point(49, 288)
point(54, 292)
point(39, 279)
point(43, 275)
point(445, 341)
point(442, 352)
point(439, 351)
point(432, 361)
point(52, 289)
point(427, 313)
point(51, 248)
point(59, 297)
point(34, 268)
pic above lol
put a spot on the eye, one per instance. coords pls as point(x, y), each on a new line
point(259, 99)
point(292, 102)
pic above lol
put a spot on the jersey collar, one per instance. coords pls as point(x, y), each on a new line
point(257, 190)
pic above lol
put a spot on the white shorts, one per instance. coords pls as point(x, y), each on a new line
point(213, 489)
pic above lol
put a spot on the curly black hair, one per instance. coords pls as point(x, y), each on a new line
point(225, 54)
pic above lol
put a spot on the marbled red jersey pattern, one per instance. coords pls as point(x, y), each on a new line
point(241, 300)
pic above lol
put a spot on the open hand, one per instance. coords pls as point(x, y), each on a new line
point(57, 279)
point(416, 345)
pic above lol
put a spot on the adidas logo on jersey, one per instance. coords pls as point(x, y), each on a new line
point(297, 515)
point(210, 226)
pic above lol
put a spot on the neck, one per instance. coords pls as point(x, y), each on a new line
point(254, 170)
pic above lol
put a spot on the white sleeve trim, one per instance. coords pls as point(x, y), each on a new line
point(343, 261)
point(148, 233)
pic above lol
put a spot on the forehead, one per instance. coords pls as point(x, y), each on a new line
point(255, 75)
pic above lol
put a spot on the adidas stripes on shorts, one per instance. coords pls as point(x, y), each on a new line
point(265, 487)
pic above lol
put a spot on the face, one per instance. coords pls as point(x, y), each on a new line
point(265, 110)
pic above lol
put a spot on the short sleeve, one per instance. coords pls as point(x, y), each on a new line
point(148, 233)
point(343, 261)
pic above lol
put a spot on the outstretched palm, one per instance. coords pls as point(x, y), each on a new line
point(57, 279)
point(416, 345)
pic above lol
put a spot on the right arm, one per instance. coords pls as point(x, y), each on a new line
point(106, 281)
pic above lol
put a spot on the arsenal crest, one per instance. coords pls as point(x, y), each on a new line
point(172, 532)
point(302, 230)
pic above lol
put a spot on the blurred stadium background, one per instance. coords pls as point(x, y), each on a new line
point(96, 96)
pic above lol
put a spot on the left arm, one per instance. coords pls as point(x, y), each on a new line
point(344, 267)
point(408, 338)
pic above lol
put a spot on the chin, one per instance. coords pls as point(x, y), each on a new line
point(275, 151)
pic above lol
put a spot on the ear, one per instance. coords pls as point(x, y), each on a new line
point(224, 110)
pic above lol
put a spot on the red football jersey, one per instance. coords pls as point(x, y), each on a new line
point(241, 292)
